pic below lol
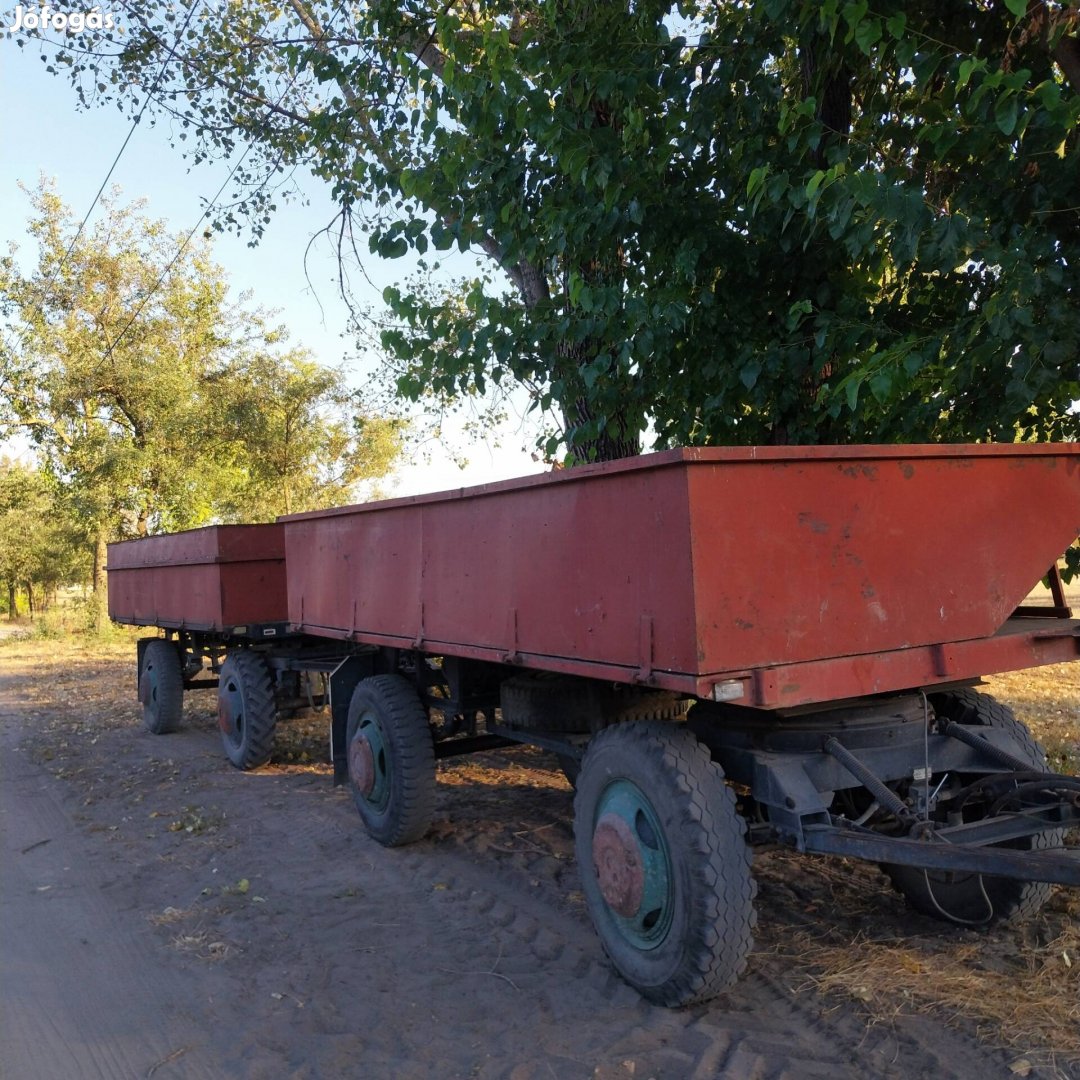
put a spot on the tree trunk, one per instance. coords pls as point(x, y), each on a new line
point(101, 587)
point(617, 440)
point(13, 611)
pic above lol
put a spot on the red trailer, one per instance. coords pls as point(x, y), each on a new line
point(722, 646)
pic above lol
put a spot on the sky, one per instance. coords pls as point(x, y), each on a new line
point(43, 133)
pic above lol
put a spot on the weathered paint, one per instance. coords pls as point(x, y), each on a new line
point(688, 566)
point(620, 872)
point(215, 578)
point(772, 576)
point(362, 765)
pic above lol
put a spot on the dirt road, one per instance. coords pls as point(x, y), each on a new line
point(86, 990)
point(166, 916)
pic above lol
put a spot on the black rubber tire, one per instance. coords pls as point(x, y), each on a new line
point(565, 704)
point(539, 701)
point(629, 704)
point(571, 768)
point(625, 707)
point(161, 688)
point(387, 710)
point(247, 714)
point(710, 891)
point(960, 898)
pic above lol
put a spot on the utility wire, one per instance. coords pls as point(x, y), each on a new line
point(209, 207)
point(50, 280)
point(120, 153)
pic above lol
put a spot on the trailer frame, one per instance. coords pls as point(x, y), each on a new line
point(690, 735)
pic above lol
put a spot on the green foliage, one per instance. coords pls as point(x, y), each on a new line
point(41, 546)
point(298, 437)
point(115, 414)
point(153, 403)
point(772, 222)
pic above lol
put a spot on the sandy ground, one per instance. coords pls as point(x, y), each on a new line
point(164, 915)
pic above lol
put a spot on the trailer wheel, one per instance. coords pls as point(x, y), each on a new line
point(161, 688)
point(630, 706)
point(391, 759)
point(664, 863)
point(246, 711)
point(975, 898)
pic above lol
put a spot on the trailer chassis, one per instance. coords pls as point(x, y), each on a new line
point(791, 766)
point(958, 809)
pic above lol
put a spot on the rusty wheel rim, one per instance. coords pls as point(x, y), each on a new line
point(148, 691)
point(369, 762)
point(632, 864)
point(231, 712)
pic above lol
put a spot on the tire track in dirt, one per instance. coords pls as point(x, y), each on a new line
point(465, 955)
point(513, 946)
point(760, 1029)
point(83, 993)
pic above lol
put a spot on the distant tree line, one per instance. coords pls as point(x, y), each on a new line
point(153, 402)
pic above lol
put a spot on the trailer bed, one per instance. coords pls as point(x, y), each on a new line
point(773, 576)
point(224, 578)
point(827, 607)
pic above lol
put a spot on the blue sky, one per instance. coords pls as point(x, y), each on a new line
point(42, 132)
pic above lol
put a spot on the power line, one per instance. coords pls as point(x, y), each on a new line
point(120, 153)
point(209, 206)
point(50, 280)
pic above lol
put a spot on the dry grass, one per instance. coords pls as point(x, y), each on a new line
point(199, 944)
point(1019, 985)
point(1048, 701)
point(170, 916)
point(836, 930)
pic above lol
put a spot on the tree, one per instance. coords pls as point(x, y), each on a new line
point(300, 442)
point(799, 222)
point(40, 543)
point(131, 370)
point(110, 405)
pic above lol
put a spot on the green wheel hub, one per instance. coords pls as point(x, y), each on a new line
point(633, 865)
point(369, 762)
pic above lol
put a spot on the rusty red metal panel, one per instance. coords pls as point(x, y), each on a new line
point(510, 567)
point(803, 558)
point(1020, 644)
point(208, 579)
point(681, 565)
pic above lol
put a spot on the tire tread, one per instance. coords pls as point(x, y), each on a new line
point(170, 688)
point(720, 934)
point(405, 724)
point(260, 711)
